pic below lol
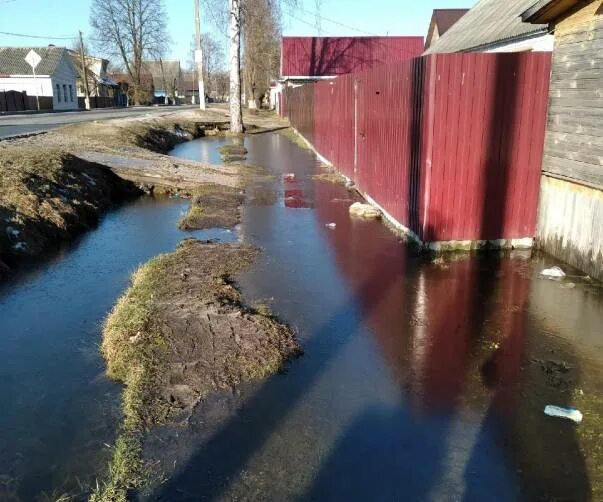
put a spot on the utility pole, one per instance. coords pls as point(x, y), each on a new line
point(199, 57)
point(84, 73)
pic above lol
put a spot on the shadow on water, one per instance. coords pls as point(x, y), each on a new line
point(58, 409)
point(418, 380)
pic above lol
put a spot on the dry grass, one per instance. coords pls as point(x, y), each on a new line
point(213, 206)
point(49, 195)
point(293, 136)
point(182, 305)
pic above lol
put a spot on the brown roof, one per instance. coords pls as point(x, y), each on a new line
point(487, 24)
point(445, 18)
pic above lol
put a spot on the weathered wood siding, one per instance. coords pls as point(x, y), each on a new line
point(570, 223)
point(574, 139)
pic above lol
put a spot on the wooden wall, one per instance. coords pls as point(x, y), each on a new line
point(574, 138)
point(570, 224)
point(570, 219)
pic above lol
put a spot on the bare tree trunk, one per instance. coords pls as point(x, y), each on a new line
point(236, 112)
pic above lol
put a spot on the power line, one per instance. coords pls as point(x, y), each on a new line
point(312, 25)
point(35, 36)
point(313, 13)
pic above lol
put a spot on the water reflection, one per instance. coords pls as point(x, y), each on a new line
point(416, 383)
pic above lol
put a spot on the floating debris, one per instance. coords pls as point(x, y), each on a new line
point(568, 413)
point(331, 225)
point(553, 272)
point(364, 211)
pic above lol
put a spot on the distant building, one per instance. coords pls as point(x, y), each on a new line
point(441, 21)
point(100, 83)
point(494, 26)
point(55, 81)
point(306, 59)
point(166, 78)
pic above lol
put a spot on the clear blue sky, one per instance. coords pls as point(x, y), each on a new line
point(63, 18)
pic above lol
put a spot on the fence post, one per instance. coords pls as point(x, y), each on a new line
point(429, 119)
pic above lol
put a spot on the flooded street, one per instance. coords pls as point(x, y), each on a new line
point(59, 412)
point(421, 379)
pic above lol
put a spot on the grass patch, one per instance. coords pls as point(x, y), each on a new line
point(178, 333)
point(48, 195)
point(293, 136)
point(133, 350)
point(213, 206)
point(330, 177)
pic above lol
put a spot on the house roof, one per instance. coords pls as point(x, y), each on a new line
point(168, 69)
point(12, 60)
point(443, 19)
point(331, 56)
point(489, 23)
point(546, 11)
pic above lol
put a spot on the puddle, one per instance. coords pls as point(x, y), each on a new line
point(206, 151)
point(59, 412)
point(420, 381)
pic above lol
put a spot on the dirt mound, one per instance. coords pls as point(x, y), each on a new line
point(48, 197)
point(213, 206)
point(180, 332)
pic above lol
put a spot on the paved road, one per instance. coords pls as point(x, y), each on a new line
point(11, 125)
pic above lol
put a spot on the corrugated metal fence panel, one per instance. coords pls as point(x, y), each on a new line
point(334, 122)
point(450, 144)
point(299, 105)
point(387, 133)
point(330, 56)
point(488, 138)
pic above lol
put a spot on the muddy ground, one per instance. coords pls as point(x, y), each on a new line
point(213, 206)
point(57, 184)
point(180, 332)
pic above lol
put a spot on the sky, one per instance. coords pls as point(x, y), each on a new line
point(64, 18)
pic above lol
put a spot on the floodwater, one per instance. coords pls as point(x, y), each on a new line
point(421, 380)
point(59, 413)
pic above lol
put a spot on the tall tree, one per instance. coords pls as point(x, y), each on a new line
point(234, 41)
point(131, 30)
point(261, 34)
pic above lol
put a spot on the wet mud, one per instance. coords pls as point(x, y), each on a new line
point(213, 206)
point(180, 332)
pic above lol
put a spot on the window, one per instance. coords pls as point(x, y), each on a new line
point(58, 93)
point(65, 93)
point(71, 92)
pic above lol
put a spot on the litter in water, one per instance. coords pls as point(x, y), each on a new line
point(569, 413)
point(364, 211)
point(331, 225)
point(289, 177)
point(553, 272)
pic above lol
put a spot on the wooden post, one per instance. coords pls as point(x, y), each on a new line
point(199, 57)
point(84, 74)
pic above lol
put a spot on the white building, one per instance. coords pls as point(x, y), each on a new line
point(55, 81)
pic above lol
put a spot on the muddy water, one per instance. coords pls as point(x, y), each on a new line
point(58, 411)
point(421, 380)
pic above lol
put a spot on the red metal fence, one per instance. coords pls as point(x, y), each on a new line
point(450, 145)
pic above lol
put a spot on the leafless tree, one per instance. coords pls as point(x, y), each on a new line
point(235, 14)
point(131, 30)
point(261, 32)
point(213, 61)
point(234, 54)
